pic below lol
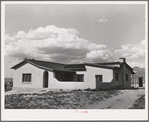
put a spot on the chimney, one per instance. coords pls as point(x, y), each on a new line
point(123, 70)
point(124, 60)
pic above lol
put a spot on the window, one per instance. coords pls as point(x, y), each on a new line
point(80, 77)
point(116, 75)
point(26, 78)
point(99, 78)
point(126, 77)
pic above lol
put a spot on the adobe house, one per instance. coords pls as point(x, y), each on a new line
point(32, 73)
point(139, 82)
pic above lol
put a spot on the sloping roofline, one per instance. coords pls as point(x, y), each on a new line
point(75, 67)
point(130, 68)
point(39, 64)
point(115, 63)
point(109, 63)
point(68, 67)
point(101, 66)
point(27, 61)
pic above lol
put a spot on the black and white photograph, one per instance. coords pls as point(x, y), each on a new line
point(74, 60)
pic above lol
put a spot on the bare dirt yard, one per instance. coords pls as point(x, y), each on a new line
point(76, 99)
point(128, 99)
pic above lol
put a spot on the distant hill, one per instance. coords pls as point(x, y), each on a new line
point(140, 72)
point(139, 69)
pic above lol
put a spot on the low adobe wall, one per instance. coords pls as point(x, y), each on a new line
point(68, 85)
point(109, 85)
point(104, 86)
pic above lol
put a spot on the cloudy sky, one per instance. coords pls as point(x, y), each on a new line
point(74, 33)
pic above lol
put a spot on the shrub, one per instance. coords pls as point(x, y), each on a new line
point(88, 89)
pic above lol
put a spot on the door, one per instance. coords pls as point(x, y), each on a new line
point(45, 79)
point(98, 80)
point(140, 82)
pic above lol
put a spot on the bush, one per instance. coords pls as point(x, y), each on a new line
point(88, 89)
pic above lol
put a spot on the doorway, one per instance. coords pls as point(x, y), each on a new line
point(98, 80)
point(140, 82)
point(45, 79)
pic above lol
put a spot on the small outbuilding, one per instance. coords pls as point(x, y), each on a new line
point(31, 73)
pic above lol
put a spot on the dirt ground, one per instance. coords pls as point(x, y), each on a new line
point(139, 103)
point(74, 99)
point(125, 100)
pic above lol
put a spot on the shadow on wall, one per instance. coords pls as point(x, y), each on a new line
point(108, 85)
point(64, 76)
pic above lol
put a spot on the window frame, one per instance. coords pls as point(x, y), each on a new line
point(78, 75)
point(26, 78)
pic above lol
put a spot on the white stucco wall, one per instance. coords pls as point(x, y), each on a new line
point(89, 79)
point(36, 76)
point(107, 74)
point(89, 75)
point(137, 85)
point(55, 84)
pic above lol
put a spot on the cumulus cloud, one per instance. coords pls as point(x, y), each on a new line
point(132, 51)
point(103, 20)
point(62, 50)
point(64, 45)
point(143, 42)
point(100, 55)
point(136, 64)
point(94, 46)
point(54, 44)
point(135, 53)
point(21, 35)
point(50, 31)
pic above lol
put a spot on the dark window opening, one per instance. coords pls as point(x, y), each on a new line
point(126, 77)
point(99, 78)
point(140, 82)
point(80, 77)
point(45, 79)
point(64, 76)
point(116, 74)
point(26, 78)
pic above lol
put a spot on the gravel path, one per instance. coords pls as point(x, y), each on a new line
point(121, 101)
